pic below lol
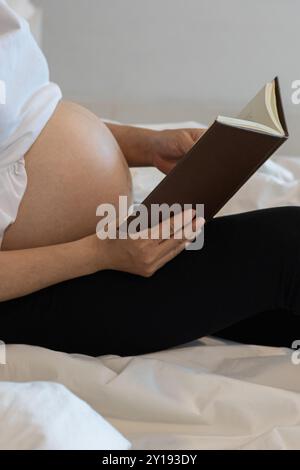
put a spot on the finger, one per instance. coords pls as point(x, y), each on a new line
point(192, 230)
point(188, 139)
point(189, 234)
point(168, 246)
point(171, 254)
point(194, 238)
point(178, 224)
point(172, 248)
point(166, 229)
point(196, 133)
point(189, 228)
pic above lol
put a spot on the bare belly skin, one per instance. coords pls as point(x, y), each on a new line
point(75, 165)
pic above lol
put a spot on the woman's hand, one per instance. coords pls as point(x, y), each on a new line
point(169, 146)
point(21, 273)
point(144, 257)
point(146, 147)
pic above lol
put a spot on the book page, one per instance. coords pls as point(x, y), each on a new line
point(260, 114)
point(272, 105)
point(255, 126)
point(257, 110)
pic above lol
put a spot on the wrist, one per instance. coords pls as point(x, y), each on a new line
point(144, 144)
point(97, 253)
point(136, 143)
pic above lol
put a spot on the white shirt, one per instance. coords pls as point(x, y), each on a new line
point(28, 100)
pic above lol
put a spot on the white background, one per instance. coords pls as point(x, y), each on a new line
point(168, 60)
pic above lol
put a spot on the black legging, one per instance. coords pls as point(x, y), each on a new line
point(243, 285)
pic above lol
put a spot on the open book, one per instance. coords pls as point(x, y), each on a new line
point(225, 157)
point(261, 114)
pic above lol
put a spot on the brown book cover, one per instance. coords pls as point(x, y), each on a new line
point(220, 162)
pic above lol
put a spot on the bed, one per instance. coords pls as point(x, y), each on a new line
point(209, 394)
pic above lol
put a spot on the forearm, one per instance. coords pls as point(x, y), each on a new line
point(25, 271)
point(135, 143)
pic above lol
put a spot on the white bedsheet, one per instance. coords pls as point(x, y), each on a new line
point(209, 395)
point(47, 416)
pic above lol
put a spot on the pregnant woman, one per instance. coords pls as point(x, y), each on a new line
point(63, 288)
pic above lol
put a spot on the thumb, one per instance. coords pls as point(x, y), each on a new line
point(196, 133)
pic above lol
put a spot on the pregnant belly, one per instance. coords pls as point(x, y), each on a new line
point(74, 166)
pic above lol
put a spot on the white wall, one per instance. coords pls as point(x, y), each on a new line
point(157, 60)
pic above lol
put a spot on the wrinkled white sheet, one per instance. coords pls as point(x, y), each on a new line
point(209, 395)
point(47, 416)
